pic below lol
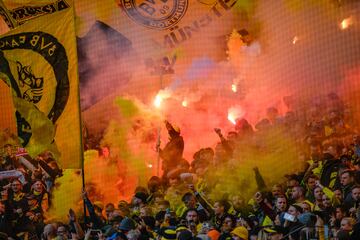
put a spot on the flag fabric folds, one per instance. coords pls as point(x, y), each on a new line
point(173, 31)
point(38, 62)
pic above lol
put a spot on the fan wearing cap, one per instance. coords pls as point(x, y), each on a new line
point(126, 225)
point(273, 233)
point(172, 153)
point(186, 235)
point(168, 227)
point(240, 233)
point(167, 234)
point(139, 201)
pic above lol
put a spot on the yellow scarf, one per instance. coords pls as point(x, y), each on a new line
point(36, 193)
point(18, 196)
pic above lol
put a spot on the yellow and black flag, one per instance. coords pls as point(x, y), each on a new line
point(17, 12)
point(38, 62)
point(7, 16)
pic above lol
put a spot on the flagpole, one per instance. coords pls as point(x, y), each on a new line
point(159, 130)
point(80, 119)
point(158, 153)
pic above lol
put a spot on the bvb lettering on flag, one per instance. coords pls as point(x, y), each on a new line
point(38, 62)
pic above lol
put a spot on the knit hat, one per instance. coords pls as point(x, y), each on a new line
point(241, 232)
point(213, 234)
point(185, 235)
point(127, 224)
point(142, 196)
point(167, 233)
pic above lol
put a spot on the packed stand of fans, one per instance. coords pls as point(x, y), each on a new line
point(321, 202)
point(26, 184)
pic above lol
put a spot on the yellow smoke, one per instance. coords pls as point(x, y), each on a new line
point(131, 160)
point(66, 195)
point(268, 152)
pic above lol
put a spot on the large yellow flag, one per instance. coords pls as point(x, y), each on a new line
point(38, 61)
point(181, 29)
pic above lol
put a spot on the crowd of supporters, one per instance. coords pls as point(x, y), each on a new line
point(25, 186)
point(320, 202)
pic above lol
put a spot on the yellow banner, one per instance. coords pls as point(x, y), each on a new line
point(168, 32)
point(38, 60)
point(22, 11)
point(6, 15)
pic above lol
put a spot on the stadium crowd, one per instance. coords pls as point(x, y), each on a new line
point(320, 202)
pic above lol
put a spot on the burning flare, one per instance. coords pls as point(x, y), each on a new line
point(184, 103)
point(157, 101)
point(161, 96)
point(235, 113)
point(345, 23)
point(231, 118)
point(234, 88)
point(295, 39)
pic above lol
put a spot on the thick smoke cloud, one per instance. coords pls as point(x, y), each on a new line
point(298, 49)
